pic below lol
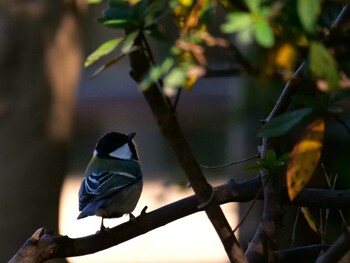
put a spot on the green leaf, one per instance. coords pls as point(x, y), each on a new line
point(323, 65)
point(271, 156)
point(253, 5)
point(237, 21)
point(123, 12)
point(112, 62)
point(118, 23)
point(263, 34)
point(155, 12)
point(157, 72)
point(253, 168)
point(270, 163)
point(282, 124)
point(308, 11)
point(154, 32)
point(129, 41)
point(176, 78)
point(245, 36)
point(120, 4)
point(207, 14)
point(104, 49)
point(309, 101)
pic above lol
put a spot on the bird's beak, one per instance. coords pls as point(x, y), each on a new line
point(131, 135)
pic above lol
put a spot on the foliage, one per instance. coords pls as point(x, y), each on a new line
point(304, 157)
point(270, 163)
point(284, 32)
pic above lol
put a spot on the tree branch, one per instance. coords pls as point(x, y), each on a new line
point(259, 250)
point(44, 245)
point(338, 249)
point(171, 130)
point(300, 254)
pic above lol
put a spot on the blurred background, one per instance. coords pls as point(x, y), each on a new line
point(52, 115)
point(112, 102)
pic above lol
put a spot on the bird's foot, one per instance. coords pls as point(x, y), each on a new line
point(102, 227)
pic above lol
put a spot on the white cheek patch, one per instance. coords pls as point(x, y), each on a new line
point(123, 152)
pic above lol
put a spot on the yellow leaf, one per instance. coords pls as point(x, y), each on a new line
point(193, 17)
point(186, 3)
point(286, 57)
point(310, 219)
point(193, 74)
point(304, 158)
point(190, 82)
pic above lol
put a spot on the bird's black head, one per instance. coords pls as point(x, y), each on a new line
point(112, 141)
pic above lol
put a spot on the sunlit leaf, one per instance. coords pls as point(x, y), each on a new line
point(286, 56)
point(263, 33)
point(323, 66)
point(104, 49)
point(129, 41)
point(308, 11)
point(133, 2)
point(311, 221)
point(304, 158)
point(186, 3)
point(191, 80)
point(245, 36)
point(112, 62)
point(90, 2)
point(118, 23)
point(253, 5)
point(157, 72)
point(237, 21)
point(176, 78)
point(193, 74)
point(282, 124)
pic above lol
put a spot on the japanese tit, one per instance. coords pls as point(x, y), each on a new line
point(112, 181)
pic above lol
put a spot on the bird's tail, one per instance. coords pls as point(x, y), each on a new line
point(91, 208)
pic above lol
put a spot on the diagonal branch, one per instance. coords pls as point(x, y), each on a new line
point(44, 245)
point(171, 130)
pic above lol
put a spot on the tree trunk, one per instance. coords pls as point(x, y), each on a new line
point(40, 58)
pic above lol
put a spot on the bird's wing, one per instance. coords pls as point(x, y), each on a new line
point(99, 185)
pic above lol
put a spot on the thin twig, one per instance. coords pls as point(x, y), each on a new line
point(332, 187)
point(249, 209)
point(232, 163)
point(292, 244)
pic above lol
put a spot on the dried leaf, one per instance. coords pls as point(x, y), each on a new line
point(304, 158)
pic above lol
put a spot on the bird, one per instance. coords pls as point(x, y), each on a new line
point(112, 182)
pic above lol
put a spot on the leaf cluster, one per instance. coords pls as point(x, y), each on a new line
point(271, 163)
point(285, 32)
